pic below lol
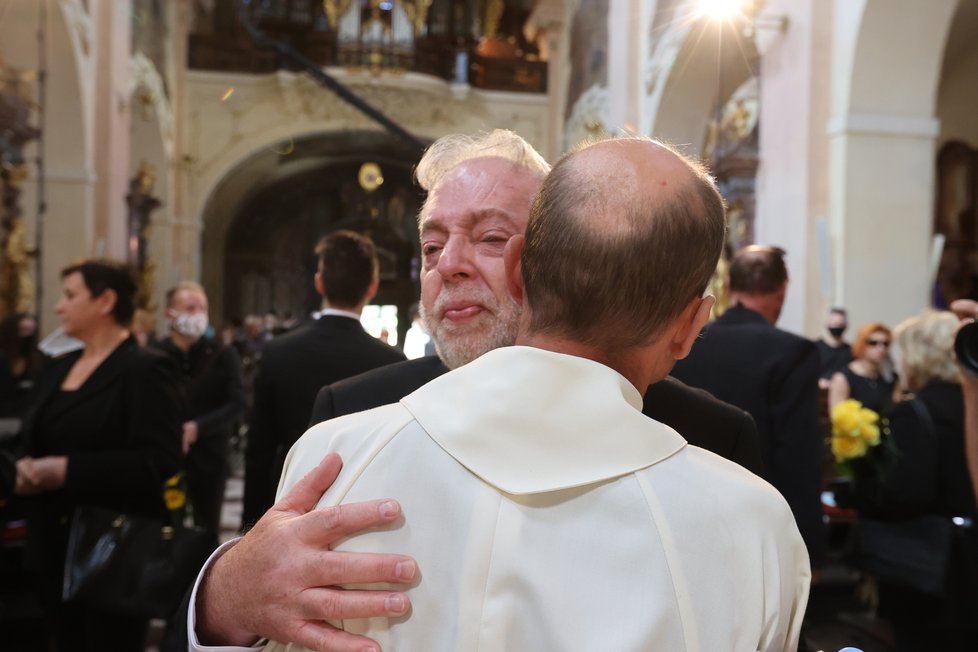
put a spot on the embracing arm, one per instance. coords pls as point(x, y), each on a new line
point(279, 581)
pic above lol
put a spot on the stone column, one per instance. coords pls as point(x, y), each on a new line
point(112, 42)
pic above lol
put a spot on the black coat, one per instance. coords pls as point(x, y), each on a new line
point(921, 472)
point(697, 416)
point(742, 359)
point(121, 433)
point(291, 370)
point(212, 380)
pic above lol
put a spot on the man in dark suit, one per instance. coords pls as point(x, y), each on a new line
point(742, 358)
point(294, 366)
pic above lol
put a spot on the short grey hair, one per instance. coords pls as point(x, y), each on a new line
point(449, 151)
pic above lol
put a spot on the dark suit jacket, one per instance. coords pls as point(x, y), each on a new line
point(697, 416)
point(121, 432)
point(291, 370)
point(742, 359)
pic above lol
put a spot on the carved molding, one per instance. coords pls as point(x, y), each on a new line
point(143, 73)
point(81, 30)
point(589, 118)
point(266, 111)
point(413, 106)
point(659, 65)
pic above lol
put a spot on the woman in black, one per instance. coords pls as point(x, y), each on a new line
point(103, 430)
point(921, 471)
point(869, 377)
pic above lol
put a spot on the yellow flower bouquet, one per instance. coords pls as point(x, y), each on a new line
point(855, 429)
point(175, 497)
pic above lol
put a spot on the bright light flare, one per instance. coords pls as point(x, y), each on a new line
point(720, 9)
point(227, 94)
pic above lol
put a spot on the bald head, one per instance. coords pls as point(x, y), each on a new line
point(622, 235)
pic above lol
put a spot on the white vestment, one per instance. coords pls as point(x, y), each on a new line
point(547, 513)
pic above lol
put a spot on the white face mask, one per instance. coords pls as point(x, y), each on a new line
point(193, 326)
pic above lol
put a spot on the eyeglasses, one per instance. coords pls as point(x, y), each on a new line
point(885, 344)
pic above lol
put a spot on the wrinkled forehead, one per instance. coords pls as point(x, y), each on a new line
point(481, 187)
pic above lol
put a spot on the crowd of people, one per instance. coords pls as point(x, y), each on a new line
point(582, 430)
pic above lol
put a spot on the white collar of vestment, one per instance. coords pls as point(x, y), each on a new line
point(528, 421)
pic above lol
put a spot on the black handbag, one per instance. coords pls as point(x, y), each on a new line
point(914, 553)
point(131, 564)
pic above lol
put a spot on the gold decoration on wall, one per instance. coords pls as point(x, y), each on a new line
point(141, 204)
point(335, 10)
point(417, 12)
point(494, 13)
point(370, 176)
point(17, 293)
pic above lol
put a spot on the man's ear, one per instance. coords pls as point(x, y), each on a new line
point(371, 290)
point(692, 321)
point(317, 281)
point(514, 269)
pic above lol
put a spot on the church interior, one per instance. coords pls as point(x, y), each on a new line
point(217, 141)
point(213, 140)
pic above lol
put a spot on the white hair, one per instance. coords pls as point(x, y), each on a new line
point(449, 151)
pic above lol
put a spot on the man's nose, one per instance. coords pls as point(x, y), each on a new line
point(456, 259)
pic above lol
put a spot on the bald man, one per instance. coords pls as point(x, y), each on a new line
point(546, 511)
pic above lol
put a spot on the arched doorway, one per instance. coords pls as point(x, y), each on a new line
point(265, 217)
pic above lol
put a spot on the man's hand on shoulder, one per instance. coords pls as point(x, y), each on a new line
point(279, 581)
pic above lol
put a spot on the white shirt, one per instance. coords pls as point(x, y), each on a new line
point(547, 513)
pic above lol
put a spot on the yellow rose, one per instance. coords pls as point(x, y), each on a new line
point(173, 481)
point(870, 433)
point(175, 499)
point(845, 417)
point(847, 448)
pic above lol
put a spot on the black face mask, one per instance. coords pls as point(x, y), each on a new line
point(837, 331)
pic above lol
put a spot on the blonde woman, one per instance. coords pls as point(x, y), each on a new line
point(923, 472)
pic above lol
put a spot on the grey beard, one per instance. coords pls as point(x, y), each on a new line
point(458, 348)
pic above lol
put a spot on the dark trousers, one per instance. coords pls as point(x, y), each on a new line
point(79, 628)
point(207, 473)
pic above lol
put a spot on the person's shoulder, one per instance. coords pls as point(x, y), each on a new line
point(795, 340)
point(709, 479)
point(143, 362)
point(419, 369)
point(677, 395)
point(287, 343)
point(356, 437)
point(383, 349)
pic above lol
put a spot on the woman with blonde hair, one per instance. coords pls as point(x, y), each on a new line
point(869, 377)
point(922, 474)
